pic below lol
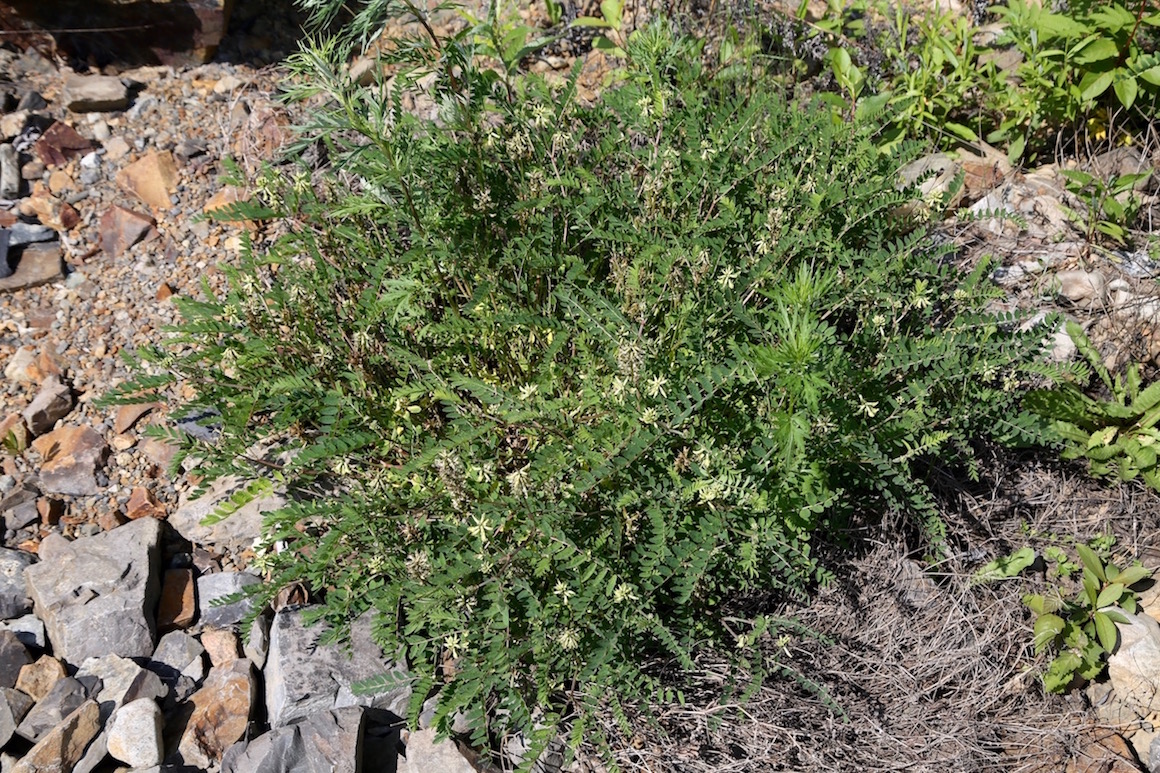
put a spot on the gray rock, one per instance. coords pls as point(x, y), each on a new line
point(29, 629)
point(342, 740)
point(52, 403)
point(94, 93)
point(1084, 288)
point(9, 173)
point(232, 535)
point(97, 595)
point(304, 677)
point(211, 587)
point(423, 754)
point(38, 264)
point(5, 265)
point(14, 600)
point(122, 681)
point(24, 514)
point(178, 654)
point(14, 706)
point(13, 657)
point(63, 699)
point(21, 234)
point(134, 737)
point(257, 646)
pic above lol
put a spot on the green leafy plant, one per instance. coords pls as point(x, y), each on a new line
point(556, 386)
point(1110, 206)
point(1116, 434)
point(1081, 631)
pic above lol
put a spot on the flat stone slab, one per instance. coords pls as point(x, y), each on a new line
point(97, 595)
point(38, 264)
point(234, 534)
point(304, 677)
point(346, 740)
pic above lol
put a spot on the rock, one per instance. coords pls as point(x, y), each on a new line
point(135, 734)
point(1134, 667)
point(51, 211)
point(151, 179)
point(14, 706)
point(97, 594)
point(51, 404)
point(212, 588)
point(232, 535)
point(60, 143)
point(346, 740)
point(1086, 288)
point(50, 510)
point(304, 676)
point(71, 457)
point(220, 714)
point(38, 264)
point(65, 745)
point(1107, 752)
point(9, 172)
point(221, 644)
point(178, 654)
point(21, 234)
point(178, 608)
point(13, 657)
point(37, 679)
point(29, 629)
point(65, 696)
point(14, 600)
point(257, 646)
point(423, 754)
point(116, 149)
point(122, 681)
point(934, 175)
point(94, 93)
point(122, 228)
point(128, 415)
point(21, 368)
point(142, 504)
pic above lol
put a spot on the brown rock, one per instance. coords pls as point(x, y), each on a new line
point(50, 511)
point(71, 456)
point(178, 606)
point(129, 415)
point(1106, 752)
point(122, 228)
point(51, 211)
point(123, 442)
point(14, 435)
point(222, 645)
point(38, 264)
point(51, 404)
point(59, 182)
point(111, 519)
point(59, 144)
point(164, 292)
point(220, 713)
point(22, 367)
point(142, 504)
point(36, 679)
point(151, 179)
point(63, 747)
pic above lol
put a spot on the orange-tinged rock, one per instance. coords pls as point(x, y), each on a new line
point(50, 510)
point(51, 211)
point(65, 744)
point(151, 179)
point(129, 415)
point(142, 504)
point(222, 645)
point(221, 713)
point(36, 679)
point(178, 606)
point(59, 143)
point(121, 228)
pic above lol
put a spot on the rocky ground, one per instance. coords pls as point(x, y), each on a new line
point(114, 655)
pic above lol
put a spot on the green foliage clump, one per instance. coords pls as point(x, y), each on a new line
point(1050, 73)
point(1081, 632)
point(1117, 435)
point(554, 384)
